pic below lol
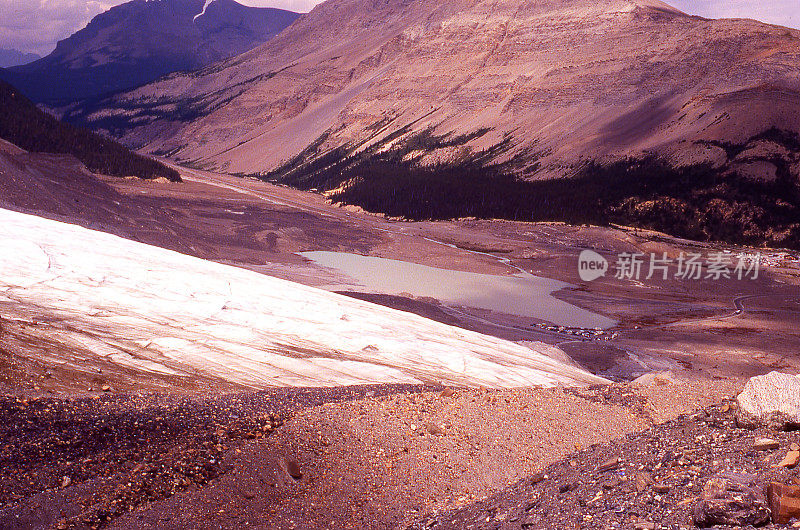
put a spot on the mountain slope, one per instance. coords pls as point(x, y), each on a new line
point(140, 41)
point(565, 78)
point(27, 127)
point(15, 57)
point(360, 98)
point(154, 310)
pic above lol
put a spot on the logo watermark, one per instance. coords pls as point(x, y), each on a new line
point(686, 266)
point(591, 265)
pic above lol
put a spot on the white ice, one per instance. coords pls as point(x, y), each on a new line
point(160, 311)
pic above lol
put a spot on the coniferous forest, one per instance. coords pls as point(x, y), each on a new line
point(696, 202)
point(28, 127)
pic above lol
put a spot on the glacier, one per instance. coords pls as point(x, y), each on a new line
point(159, 311)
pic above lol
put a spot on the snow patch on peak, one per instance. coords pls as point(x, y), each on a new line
point(203, 12)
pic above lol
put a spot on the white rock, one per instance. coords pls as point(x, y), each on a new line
point(772, 399)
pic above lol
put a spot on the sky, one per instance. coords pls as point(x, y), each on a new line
point(36, 25)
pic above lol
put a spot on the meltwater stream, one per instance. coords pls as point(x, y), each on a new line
point(522, 294)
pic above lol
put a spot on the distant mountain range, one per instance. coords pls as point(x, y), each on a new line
point(430, 109)
point(15, 58)
point(139, 41)
point(26, 127)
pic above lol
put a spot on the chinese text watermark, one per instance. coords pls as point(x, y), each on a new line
point(685, 266)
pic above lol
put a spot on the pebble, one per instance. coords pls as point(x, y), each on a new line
point(766, 444)
point(661, 488)
point(65, 482)
point(611, 463)
point(790, 460)
point(434, 429)
point(643, 480)
point(293, 468)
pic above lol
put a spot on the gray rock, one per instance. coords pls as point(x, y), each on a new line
point(772, 400)
point(733, 499)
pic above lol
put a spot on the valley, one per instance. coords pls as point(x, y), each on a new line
point(651, 326)
point(401, 264)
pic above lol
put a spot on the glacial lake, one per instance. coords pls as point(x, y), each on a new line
point(522, 294)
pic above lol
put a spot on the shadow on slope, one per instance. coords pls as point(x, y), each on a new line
point(697, 202)
point(27, 127)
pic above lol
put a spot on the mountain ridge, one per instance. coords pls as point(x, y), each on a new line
point(139, 41)
point(399, 58)
point(12, 57)
point(453, 97)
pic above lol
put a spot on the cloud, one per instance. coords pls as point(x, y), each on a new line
point(781, 12)
point(36, 25)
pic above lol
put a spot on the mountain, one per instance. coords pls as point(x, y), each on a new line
point(429, 109)
point(25, 126)
point(15, 58)
point(142, 40)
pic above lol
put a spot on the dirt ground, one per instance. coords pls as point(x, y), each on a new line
point(365, 457)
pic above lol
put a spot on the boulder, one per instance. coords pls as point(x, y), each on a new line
point(732, 499)
point(758, 170)
point(772, 400)
point(784, 501)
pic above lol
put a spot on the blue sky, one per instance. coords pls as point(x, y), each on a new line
point(36, 25)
